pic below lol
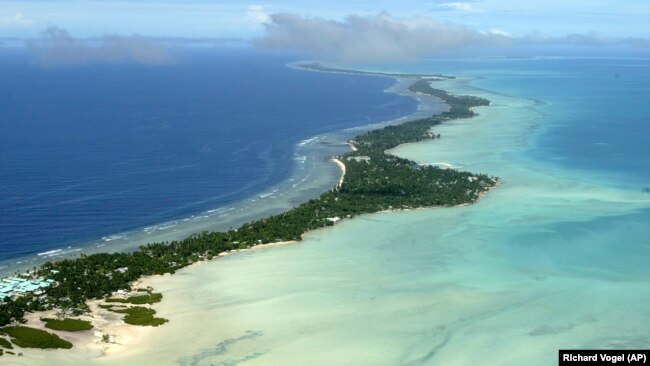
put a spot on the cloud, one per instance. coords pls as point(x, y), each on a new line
point(458, 6)
point(500, 32)
point(380, 37)
point(598, 40)
point(15, 21)
point(58, 48)
point(257, 14)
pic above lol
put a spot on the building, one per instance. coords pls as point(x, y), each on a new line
point(17, 286)
point(359, 159)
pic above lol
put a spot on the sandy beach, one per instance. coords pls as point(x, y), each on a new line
point(88, 345)
point(91, 345)
point(256, 247)
point(342, 166)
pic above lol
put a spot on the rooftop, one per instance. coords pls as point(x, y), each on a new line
point(21, 285)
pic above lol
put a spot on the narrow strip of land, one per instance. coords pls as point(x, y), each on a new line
point(318, 67)
point(372, 181)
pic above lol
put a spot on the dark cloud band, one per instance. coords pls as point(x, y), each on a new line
point(57, 48)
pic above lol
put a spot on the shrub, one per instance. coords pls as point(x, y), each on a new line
point(68, 325)
point(35, 338)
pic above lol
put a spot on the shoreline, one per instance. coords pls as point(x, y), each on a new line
point(117, 330)
point(342, 166)
point(213, 219)
point(121, 336)
point(124, 336)
point(478, 300)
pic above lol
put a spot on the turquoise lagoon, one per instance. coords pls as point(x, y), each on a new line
point(555, 257)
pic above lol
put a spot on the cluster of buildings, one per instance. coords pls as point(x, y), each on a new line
point(17, 286)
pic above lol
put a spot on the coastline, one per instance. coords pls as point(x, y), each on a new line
point(508, 301)
point(122, 336)
point(457, 294)
point(118, 332)
point(342, 166)
point(302, 185)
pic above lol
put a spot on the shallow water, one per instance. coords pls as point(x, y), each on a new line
point(552, 258)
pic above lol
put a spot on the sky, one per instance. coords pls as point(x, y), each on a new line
point(69, 32)
point(245, 20)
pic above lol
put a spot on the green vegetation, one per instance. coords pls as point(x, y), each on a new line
point(35, 338)
point(15, 309)
point(139, 315)
point(5, 343)
point(68, 325)
point(458, 105)
point(136, 315)
point(139, 299)
point(374, 181)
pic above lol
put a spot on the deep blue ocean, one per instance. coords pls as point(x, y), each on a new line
point(595, 109)
point(90, 151)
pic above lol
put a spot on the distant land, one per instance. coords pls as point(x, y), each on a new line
point(318, 67)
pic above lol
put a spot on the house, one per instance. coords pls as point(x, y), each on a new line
point(359, 159)
point(122, 293)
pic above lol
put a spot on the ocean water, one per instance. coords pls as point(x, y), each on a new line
point(594, 109)
point(95, 155)
point(555, 257)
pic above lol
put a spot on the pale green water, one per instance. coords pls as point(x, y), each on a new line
point(550, 259)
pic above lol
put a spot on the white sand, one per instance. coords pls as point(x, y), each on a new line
point(257, 247)
point(342, 166)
